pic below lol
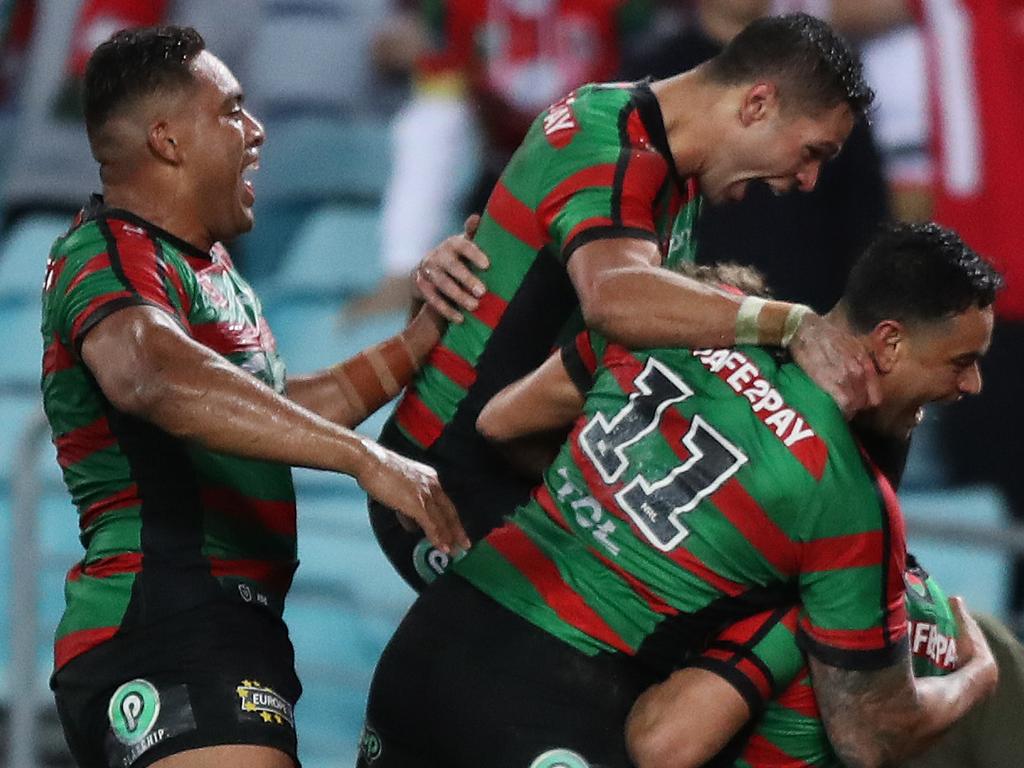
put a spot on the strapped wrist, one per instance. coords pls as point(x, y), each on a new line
point(769, 323)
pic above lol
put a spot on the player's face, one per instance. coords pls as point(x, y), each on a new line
point(784, 150)
point(225, 145)
point(936, 362)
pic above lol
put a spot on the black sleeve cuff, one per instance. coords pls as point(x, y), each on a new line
point(728, 672)
point(110, 308)
point(842, 658)
point(576, 368)
point(609, 232)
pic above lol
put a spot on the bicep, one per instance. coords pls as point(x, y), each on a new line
point(593, 263)
point(130, 349)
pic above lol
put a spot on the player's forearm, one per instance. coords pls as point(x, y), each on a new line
point(653, 307)
point(349, 392)
point(941, 701)
point(877, 719)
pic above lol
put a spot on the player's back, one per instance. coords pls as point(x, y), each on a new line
point(697, 488)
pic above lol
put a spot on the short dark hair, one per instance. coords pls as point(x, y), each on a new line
point(135, 63)
point(814, 65)
point(917, 273)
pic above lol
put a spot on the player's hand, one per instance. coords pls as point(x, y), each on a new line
point(443, 279)
point(413, 490)
point(972, 647)
point(837, 362)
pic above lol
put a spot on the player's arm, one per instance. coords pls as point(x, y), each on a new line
point(685, 721)
point(348, 392)
point(147, 367)
point(528, 418)
point(628, 298)
point(545, 399)
point(881, 717)
point(691, 717)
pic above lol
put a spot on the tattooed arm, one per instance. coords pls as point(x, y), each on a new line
point(879, 718)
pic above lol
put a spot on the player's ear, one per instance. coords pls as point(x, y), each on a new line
point(886, 342)
point(163, 141)
point(759, 100)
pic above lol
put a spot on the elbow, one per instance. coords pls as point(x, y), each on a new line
point(600, 311)
point(490, 424)
point(136, 395)
point(653, 743)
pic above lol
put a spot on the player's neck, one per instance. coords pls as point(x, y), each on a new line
point(691, 107)
point(157, 207)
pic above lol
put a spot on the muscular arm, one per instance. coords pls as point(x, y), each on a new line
point(543, 400)
point(627, 298)
point(880, 718)
point(349, 392)
point(684, 721)
point(149, 368)
point(528, 418)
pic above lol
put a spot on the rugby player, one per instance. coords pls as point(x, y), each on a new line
point(698, 488)
point(603, 191)
point(175, 426)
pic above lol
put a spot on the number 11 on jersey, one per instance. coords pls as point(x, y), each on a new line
point(655, 506)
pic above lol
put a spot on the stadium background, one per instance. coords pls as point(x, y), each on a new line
point(308, 69)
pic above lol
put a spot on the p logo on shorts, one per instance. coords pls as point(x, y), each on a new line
point(133, 711)
point(429, 561)
point(560, 758)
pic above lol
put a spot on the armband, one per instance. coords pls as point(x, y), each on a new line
point(375, 376)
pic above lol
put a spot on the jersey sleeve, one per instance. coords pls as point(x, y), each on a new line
point(598, 186)
point(581, 357)
point(129, 271)
point(851, 578)
point(758, 656)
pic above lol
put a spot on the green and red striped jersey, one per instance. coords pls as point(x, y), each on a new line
point(595, 165)
point(761, 658)
point(165, 524)
point(699, 487)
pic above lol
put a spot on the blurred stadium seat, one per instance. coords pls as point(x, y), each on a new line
point(335, 253)
point(23, 252)
point(977, 572)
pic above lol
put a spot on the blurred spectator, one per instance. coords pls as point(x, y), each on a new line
point(16, 20)
point(487, 66)
point(974, 54)
point(900, 121)
point(50, 167)
point(804, 243)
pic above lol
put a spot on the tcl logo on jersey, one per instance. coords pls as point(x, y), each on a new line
point(560, 123)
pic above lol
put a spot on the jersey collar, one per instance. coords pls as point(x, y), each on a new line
point(96, 208)
point(654, 123)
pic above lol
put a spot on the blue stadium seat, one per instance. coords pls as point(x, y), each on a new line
point(22, 361)
point(981, 575)
point(334, 253)
point(310, 337)
point(319, 159)
point(312, 57)
point(23, 252)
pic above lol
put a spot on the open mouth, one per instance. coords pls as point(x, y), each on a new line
point(250, 167)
